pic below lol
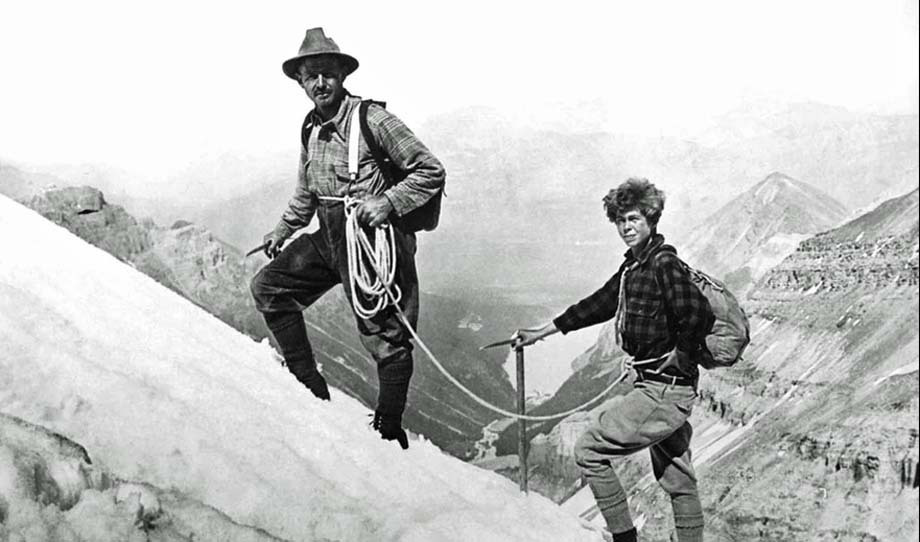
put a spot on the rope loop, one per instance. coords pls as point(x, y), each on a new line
point(371, 266)
point(372, 272)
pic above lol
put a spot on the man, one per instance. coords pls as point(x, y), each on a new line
point(311, 264)
point(661, 320)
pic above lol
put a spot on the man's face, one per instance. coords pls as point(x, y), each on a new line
point(322, 79)
point(633, 228)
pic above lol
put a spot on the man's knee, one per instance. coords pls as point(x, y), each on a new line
point(257, 288)
point(386, 343)
point(396, 368)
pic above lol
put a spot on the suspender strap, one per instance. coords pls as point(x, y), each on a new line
point(354, 135)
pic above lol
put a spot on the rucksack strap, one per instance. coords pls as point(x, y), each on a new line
point(383, 161)
point(695, 273)
point(305, 131)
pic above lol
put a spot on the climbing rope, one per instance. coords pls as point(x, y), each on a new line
point(375, 282)
point(381, 288)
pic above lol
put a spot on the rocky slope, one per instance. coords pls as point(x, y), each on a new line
point(759, 228)
point(814, 435)
point(191, 261)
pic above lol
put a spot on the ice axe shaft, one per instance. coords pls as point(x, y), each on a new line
point(522, 409)
point(522, 423)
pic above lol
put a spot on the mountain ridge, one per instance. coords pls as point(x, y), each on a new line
point(769, 215)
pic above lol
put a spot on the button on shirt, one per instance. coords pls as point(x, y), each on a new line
point(663, 308)
point(323, 166)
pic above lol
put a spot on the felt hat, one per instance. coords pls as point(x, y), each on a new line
point(315, 43)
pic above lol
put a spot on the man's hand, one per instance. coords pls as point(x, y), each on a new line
point(273, 242)
point(374, 211)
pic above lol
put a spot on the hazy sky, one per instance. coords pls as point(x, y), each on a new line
point(151, 86)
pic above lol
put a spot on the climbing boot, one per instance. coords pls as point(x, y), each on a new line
point(310, 377)
point(390, 428)
point(290, 333)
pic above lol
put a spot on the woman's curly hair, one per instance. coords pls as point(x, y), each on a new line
point(635, 194)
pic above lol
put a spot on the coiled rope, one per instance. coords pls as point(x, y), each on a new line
point(375, 286)
point(382, 258)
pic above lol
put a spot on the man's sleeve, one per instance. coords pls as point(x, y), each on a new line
point(594, 309)
point(302, 206)
point(687, 304)
point(425, 172)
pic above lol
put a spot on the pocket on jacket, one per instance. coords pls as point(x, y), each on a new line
point(646, 308)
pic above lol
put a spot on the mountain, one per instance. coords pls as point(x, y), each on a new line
point(859, 158)
point(191, 261)
point(521, 199)
point(127, 413)
point(759, 228)
point(813, 435)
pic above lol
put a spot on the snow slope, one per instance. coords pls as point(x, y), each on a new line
point(159, 391)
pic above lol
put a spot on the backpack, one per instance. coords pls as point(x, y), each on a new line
point(424, 218)
point(731, 331)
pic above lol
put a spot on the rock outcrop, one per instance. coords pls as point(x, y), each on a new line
point(50, 490)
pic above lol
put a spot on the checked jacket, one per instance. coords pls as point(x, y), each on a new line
point(663, 308)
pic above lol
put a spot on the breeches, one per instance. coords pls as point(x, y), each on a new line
point(314, 263)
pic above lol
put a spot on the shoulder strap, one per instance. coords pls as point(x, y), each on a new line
point(305, 131)
point(695, 274)
point(376, 150)
point(654, 259)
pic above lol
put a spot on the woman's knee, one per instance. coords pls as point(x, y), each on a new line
point(586, 457)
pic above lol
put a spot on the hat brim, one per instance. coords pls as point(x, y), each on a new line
point(289, 66)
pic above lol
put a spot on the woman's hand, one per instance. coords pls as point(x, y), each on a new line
point(676, 358)
point(528, 336)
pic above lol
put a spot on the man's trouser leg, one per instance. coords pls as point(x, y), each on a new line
point(671, 463)
point(384, 335)
point(291, 282)
point(647, 415)
point(389, 342)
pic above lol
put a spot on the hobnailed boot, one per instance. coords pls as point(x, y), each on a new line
point(304, 370)
point(390, 428)
point(394, 375)
point(291, 335)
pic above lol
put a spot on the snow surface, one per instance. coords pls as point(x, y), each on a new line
point(157, 390)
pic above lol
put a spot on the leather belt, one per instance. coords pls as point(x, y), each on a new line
point(666, 378)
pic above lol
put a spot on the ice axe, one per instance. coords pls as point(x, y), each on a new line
point(522, 408)
point(259, 248)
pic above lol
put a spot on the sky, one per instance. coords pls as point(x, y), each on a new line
point(173, 397)
point(152, 87)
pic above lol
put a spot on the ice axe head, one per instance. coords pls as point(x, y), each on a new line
point(506, 342)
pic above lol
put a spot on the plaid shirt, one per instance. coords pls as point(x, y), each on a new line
point(663, 308)
point(323, 167)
